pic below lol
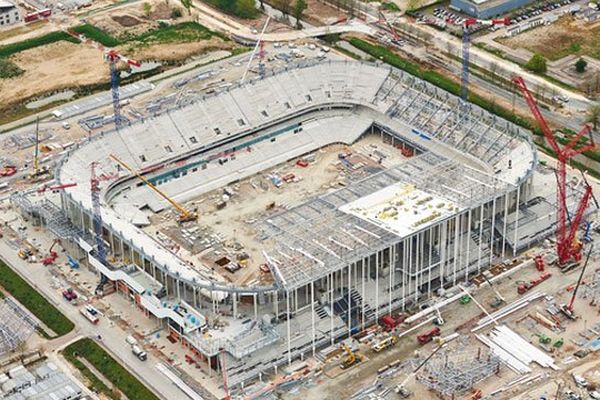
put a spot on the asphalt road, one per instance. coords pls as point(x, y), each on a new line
point(113, 338)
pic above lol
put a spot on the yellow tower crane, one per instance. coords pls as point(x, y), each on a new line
point(184, 215)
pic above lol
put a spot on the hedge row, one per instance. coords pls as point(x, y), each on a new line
point(110, 368)
point(13, 48)
point(33, 301)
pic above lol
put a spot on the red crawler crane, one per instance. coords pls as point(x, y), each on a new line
point(567, 246)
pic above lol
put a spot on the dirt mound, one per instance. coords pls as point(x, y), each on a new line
point(126, 20)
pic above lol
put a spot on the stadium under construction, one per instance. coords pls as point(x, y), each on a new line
point(464, 193)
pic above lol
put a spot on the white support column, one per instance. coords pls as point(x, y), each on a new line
point(443, 235)
point(377, 286)
point(492, 231)
point(429, 260)
point(364, 302)
point(480, 239)
point(289, 338)
point(504, 225)
point(312, 313)
point(391, 276)
point(234, 299)
point(331, 306)
point(404, 275)
point(468, 262)
point(456, 230)
point(515, 244)
point(255, 301)
point(349, 303)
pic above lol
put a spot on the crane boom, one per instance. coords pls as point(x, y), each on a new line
point(184, 215)
point(587, 258)
point(566, 245)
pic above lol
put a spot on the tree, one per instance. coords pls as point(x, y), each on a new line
point(537, 64)
point(593, 115)
point(176, 13)
point(147, 9)
point(245, 8)
point(413, 4)
point(188, 5)
point(299, 8)
point(284, 6)
point(580, 65)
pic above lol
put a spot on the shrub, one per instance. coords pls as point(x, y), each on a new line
point(110, 368)
point(13, 48)
point(176, 13)
point(580, 65)
point(537, 64)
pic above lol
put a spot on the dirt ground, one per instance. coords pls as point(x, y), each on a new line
point(179, 51)
point(132, 20)
point(254, 196)
point(53, 67)
point(566, 36)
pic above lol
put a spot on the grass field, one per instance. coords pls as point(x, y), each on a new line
point(33, 301)
point(184, 32)
point(107, 366)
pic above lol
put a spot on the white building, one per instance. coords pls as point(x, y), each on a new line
point(9, 13)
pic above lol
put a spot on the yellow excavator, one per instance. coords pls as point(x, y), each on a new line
point(351, 359)
point(184, 215)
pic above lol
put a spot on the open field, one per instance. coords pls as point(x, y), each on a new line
point(33, 301)
point(46, 70)
point(566, 36)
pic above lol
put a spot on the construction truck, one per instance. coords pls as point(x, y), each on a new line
point(523, 287)
point(539, 263)
point(427, 337)
point(351, 358)
point(24, 253)
point(139, 353)
point(384, 344)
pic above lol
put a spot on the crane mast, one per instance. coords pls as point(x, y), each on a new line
point(97, 223)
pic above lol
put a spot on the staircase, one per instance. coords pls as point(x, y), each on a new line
point(358, 300)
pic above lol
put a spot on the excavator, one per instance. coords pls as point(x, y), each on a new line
point(351, 359)
point(184, 215)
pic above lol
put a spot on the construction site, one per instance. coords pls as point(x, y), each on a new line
point(314, 228)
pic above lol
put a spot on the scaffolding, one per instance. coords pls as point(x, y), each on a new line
point(454, 372)
point(16, 326)
point(49, 214)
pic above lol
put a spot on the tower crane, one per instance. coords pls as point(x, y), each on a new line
point(567, 245)
point(112, 57)
point(184, 215)
point(38, 173)
point(97, 223)
point(466, 44)
point(259, 45)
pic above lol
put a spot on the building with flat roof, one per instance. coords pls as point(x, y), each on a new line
point(9, 13)
point(488, 8)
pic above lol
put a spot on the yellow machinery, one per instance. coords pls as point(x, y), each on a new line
point(384, 344)
point(351, 359)
point(38, 173)
point(184, 215)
